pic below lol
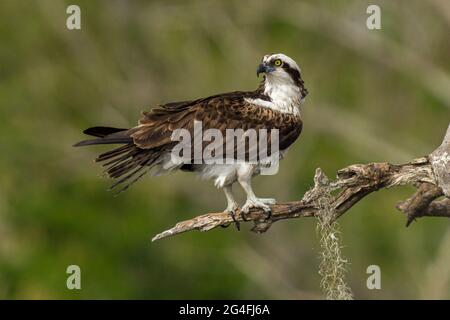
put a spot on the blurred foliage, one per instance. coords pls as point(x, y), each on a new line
point(374, 96)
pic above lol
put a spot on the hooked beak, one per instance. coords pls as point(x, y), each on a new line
point(263, 68)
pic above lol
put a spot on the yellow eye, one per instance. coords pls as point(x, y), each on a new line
point(277, 63)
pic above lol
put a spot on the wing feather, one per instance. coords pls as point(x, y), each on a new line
point(228, 111)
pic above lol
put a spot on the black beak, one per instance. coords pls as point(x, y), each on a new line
point(262, 68)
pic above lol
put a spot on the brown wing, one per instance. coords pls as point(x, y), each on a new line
point(221, 112)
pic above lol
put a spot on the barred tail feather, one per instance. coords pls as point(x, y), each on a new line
point(127, 164)
point(105, 135)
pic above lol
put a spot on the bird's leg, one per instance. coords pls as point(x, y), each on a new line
point(232, 205)
point(252, 200)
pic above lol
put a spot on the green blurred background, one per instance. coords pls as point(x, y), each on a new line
point(378, 95)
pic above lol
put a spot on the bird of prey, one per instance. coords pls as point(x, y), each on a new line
point(275, 104)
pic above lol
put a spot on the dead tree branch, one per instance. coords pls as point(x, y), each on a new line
point(431, 174)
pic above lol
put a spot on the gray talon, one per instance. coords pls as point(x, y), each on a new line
point(232, 213)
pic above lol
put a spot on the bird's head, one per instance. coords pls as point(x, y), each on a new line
point(281, 70)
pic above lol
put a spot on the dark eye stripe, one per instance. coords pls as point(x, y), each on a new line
point(295, 75)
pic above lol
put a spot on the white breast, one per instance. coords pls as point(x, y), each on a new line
point(284, 95)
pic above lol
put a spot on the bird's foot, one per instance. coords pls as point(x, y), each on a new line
point(231, 210)
point(257, 203)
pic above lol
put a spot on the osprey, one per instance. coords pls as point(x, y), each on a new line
point(275, 104)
